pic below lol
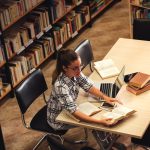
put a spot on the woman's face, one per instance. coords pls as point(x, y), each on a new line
point(74, 69)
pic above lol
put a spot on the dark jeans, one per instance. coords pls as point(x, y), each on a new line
point(104, 139)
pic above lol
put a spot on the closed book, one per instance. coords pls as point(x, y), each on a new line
point(138, 91)
point(139, 80)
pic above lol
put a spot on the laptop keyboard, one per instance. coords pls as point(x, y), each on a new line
point(109, 89)
point(106, 88)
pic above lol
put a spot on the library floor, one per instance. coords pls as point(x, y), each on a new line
point(106, 30)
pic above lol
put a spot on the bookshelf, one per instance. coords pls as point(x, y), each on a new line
point(4, 85)
point(97, 6)
point(26, 40)
point(31, 31)
point(138, 9)
point(67, 24)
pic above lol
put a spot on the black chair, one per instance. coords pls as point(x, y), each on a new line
point(84, 50)
point(28, 92)
point(141, 29)
point(2, 145)
point(145, 141)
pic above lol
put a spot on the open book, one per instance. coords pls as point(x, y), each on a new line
point(119, 113)
point(106, 68)
point(86, 108)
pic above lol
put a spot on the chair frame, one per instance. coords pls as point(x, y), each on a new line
point(26, 125)
point(89, 45)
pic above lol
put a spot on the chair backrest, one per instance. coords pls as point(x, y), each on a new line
point(84, 50)
point(141, 29)
point(30, 89)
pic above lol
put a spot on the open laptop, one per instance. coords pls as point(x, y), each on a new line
point(112, 89)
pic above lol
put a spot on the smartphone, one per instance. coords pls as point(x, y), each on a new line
point(108, 105)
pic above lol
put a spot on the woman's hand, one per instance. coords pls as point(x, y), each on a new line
point(112, 100)
point(107, 121)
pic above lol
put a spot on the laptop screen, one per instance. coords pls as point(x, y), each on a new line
point(120, 79)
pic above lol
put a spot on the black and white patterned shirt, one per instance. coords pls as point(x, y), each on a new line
point(63, 96)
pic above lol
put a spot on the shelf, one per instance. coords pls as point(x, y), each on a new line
point(24, 77)
point(101, 9)
point(138, 10)
point(141, 6)
point(73, 6)
point(18, 18)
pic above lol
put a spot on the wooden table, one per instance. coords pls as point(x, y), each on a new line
point(134, 54)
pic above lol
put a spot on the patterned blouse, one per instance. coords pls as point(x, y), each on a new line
point(63, 96)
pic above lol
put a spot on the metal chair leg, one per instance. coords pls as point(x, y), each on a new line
point(39, 142)
point(91, 68)
point(45, 137)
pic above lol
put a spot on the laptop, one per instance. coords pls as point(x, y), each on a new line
point(112, 89)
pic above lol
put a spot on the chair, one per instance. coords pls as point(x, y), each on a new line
point(84, 50)
point(141, 29)
point(28, 92)
point(145, 141)
point(2, 145)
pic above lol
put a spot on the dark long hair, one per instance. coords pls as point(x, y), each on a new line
point(64, 59)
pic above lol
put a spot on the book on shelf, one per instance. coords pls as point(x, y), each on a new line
point(106, 68)
point(5, 89)
point(139, 80)
point(86, 108)
point(118, 113)
point(1, 83)
point(138, 91)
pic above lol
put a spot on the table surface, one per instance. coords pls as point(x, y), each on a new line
point(134, 54)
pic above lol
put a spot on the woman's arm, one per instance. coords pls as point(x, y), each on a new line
point(86, 118)
point(96, 92)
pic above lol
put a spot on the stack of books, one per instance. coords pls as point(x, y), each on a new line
point(139, 83)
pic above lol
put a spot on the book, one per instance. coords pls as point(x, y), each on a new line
point(118, 113)
point(139, 80)
point(138, 91)
point(106, 68)
point(86, 108)
point(5, 89)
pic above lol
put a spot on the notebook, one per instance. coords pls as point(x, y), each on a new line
point(112, 89)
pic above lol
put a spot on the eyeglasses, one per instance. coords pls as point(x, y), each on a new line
point(77, 68)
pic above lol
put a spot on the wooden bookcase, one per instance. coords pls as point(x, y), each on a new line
point(25, 38)
point(138, 9)
point(33, 30)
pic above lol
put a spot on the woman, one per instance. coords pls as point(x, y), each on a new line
point(67, 81)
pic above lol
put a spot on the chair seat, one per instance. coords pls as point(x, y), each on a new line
point(145, 141)
point(39, 122)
